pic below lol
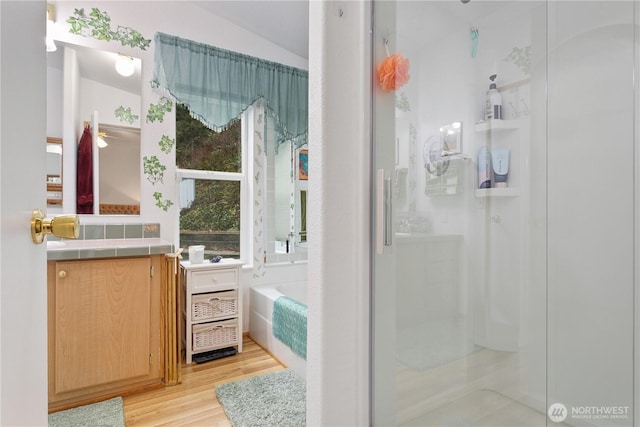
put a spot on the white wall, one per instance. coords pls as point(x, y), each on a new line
point(591, 262)
point(182, 19)
point(338, 218)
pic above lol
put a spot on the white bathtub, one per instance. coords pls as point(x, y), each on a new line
point(261, 310)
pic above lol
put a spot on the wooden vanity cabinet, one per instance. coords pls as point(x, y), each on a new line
point(104, 328)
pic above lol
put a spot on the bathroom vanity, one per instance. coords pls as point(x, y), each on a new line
point(105, 320)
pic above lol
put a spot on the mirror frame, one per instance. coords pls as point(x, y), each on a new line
point(52, 186)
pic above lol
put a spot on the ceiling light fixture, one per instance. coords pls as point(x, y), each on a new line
point(101, 142)
point(124, 65)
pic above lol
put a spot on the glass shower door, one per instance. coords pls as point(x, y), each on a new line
point(486, 279)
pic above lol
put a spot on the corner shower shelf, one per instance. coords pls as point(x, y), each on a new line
point(486, 126)
point(497, 192)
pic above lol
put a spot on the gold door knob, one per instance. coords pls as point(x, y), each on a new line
point(62, 274)
point(67, 226)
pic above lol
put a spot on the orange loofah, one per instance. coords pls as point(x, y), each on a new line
point(393, 72)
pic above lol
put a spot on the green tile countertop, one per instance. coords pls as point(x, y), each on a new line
point(105, 248)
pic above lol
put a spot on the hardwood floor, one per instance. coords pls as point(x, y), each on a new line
point(478, 390)
point(193, 402)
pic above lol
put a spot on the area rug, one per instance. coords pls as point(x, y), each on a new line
point(102, 414)
point(269, 400)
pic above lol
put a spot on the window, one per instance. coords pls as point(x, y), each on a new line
point(211, 173)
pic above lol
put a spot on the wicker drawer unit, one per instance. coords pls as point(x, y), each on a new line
point(215, 305)
point(211, 308)
point(211, 336)
point(211, 280)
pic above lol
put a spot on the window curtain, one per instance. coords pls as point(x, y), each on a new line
point(217, 85)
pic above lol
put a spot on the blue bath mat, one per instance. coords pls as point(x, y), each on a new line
point(269, 400)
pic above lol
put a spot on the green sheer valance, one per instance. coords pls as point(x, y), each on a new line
point(217, 85)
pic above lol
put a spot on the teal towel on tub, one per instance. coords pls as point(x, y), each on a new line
point(289, 324)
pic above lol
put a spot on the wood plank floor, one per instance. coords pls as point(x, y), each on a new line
point(193, 402)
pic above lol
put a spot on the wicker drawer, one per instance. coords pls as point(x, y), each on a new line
point(208, 281)
point(214, 306)
point(210, 336)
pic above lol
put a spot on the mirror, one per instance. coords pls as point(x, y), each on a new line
point(83, 87)
point(54, 171)
point(451, 137)
point(288, 232)
point(119, 150)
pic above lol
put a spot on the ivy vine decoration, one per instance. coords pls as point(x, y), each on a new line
point(521, 58)
point(157, 111)
point(166, 144)
point(162, 204)
point(125, 115)
point(98, 25)
point(153, 169)
point(402, 103)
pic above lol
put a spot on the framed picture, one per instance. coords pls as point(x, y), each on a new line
point(303, 164)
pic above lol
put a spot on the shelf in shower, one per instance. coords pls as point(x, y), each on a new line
point(497, 192)
point(488, 125)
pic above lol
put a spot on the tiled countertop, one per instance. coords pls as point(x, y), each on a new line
point(105, 248)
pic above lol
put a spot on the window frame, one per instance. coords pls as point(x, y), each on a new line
point(246, 189)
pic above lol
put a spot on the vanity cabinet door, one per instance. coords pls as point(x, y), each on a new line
point(104, 327)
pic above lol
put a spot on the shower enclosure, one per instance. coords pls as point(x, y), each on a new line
point(505, 266)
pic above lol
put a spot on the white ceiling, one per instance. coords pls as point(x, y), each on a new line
point(286, 24)
point(282, 22)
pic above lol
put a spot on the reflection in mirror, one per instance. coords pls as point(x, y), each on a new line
point(54, 171)
point(283, 192)
point(82, 81)
point(451, 137)
point(287, 232)
point(119, 157)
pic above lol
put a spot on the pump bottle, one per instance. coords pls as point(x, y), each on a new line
point(493, 109)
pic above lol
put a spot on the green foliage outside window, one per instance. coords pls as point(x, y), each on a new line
point(216, 206)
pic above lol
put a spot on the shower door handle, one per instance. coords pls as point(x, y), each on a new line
point(388, 223)
point(384, 217)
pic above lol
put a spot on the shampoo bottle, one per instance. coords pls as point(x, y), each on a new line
point(484, 168)
point(493, 107)
point(500, 166)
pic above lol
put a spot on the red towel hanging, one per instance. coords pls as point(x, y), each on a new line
point(84, 182)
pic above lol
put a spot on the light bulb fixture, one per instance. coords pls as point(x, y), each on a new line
point(124, 65)
point(101, 142)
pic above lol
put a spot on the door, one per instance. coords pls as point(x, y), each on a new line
point(23, 298)
point(499, 298)
point(104, 320)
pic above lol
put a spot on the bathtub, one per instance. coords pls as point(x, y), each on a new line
point(261, 310)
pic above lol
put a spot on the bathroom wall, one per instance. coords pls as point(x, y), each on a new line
point(592, 264)
point(542, 262)
point(452, 85)
point(183, 19)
